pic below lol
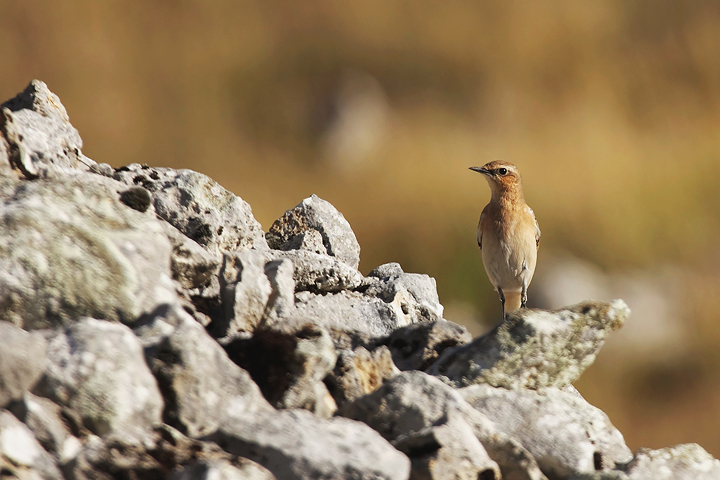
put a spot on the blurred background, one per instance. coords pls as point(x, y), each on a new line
point(610, 109)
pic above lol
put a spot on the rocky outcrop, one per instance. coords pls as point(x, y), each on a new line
point(148, 330)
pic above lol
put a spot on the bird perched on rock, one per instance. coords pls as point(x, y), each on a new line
point(508, 235)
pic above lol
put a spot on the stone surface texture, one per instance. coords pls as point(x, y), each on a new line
point(150, 330)
point(534, 348)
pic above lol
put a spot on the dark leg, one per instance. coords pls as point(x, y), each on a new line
point(502, 300)
point(523, 300)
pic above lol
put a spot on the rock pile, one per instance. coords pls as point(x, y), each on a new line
point(151, 330)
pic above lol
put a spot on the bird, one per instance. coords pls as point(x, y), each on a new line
point(508, 235)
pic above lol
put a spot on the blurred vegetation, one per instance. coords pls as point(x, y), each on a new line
point(611, 110)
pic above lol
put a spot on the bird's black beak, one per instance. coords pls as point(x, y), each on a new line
point(482, 170)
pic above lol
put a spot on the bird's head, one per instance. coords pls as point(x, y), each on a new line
point(501, 175)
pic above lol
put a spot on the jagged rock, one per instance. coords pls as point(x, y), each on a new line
point(192, 266)
point(534, 348)
point(21, 456)
point(349, 311)
point(412, 402)
point(289, 360)
point(314, 213)
point(295, 444)
point(563, 432)
point(40, 139)
point(319, 273)
point(44, 419)
point(222, 470)
point(22, 361)
point(70, 248)
point(412, 296)
point(199, 207)
point(447, 451)
point(417, 346)
point(245, 291)
point(97, 370)
point(358, 372)
point(200, 384)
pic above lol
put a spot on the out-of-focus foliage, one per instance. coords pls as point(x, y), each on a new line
point(610, 109)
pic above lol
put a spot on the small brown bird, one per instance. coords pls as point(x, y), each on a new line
point(508, 235)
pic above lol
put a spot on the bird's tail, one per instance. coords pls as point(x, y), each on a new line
point(513, 300)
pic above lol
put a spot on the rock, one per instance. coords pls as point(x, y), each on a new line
point(534, 348)
point(97, 370)
point(22, 361)
point(689, 461)
point(348, 311)
point(192, 266)
point(245, 291)
point(199, 207)
point(281, 302)
point(69, 248)
point(417, 346)
point(411, 402)
point(200, 384)
point(319, 273)
point(295, 444)
point(314, 213)
point(413, 296)
point(563, 432)
point(44, 419)
point(40, 139)
point(358, 372)
point(289, 361)
point(222, 470)
point(449, 450)
point(21, 456)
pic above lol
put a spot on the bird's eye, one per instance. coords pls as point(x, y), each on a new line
point(502, 171)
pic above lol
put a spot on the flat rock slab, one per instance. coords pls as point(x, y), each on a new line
point(295, 444)
point(534, 348)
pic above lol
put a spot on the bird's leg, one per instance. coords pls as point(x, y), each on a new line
point(502, 300)
point(523, 299)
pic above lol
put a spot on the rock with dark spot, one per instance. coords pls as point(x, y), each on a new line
point(314, 213)
point(69, 248)
point(199, 207)
point(136, 198)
